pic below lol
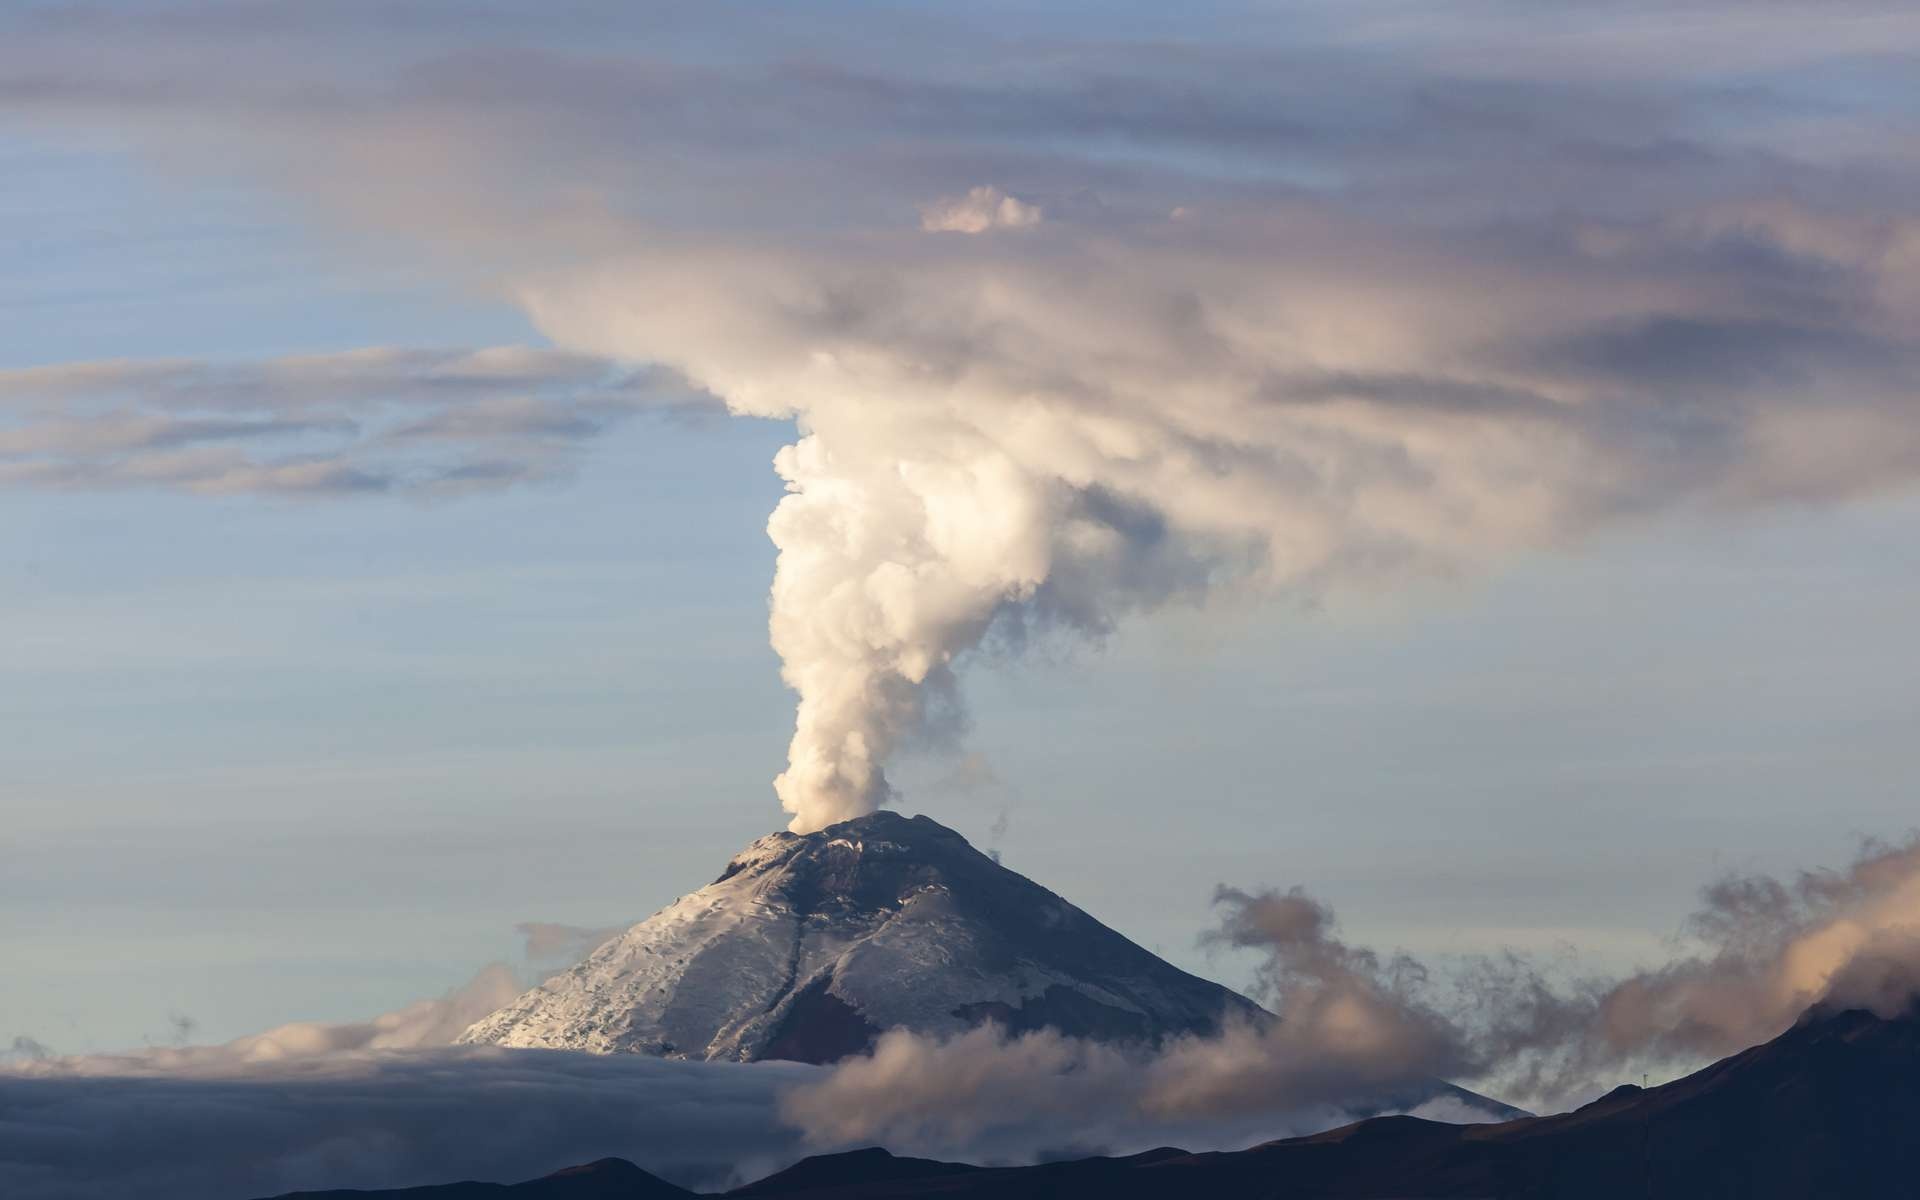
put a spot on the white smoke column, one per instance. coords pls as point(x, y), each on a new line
point(886, 571)
point(960, 466)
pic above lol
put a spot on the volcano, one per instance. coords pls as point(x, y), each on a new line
point(808, 946)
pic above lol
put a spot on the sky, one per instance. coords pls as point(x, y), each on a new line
point(391, 397)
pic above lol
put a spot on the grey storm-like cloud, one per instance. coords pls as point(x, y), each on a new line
point(1078, 324)
point(425, 422)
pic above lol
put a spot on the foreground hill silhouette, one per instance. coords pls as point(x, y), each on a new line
point(1829, 1108)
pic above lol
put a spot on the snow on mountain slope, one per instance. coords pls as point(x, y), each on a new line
point(808, 946)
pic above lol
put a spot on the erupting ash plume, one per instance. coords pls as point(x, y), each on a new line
point(1052, 427)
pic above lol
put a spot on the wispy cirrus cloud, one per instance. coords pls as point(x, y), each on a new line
point(425, 422)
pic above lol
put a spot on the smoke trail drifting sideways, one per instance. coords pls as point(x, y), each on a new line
point(1770, 950)
point(1357, 1034)
point(1358, 1029)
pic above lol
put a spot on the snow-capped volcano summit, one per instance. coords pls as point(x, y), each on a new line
point(809, 945)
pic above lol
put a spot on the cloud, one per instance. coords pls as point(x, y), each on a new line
point(376, 420)
point(551, 943)
point(988, 1097)
point(376, 1120)
point(1767, 951)
point(386, 1102)
point(422, 1024)
point(981, 210)
point(1442, 290)
point(1356, 1036)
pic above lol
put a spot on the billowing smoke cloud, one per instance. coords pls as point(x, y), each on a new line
point(1769, 951)
point(1356, 1036)
point(1360, 1032)
point(1007, 440)
point(986, 1096)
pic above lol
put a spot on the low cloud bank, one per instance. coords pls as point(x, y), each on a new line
point(422, 1024)
point(386, 1102)
point(365, 1119)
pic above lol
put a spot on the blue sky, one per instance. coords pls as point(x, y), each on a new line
point(267, 757)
